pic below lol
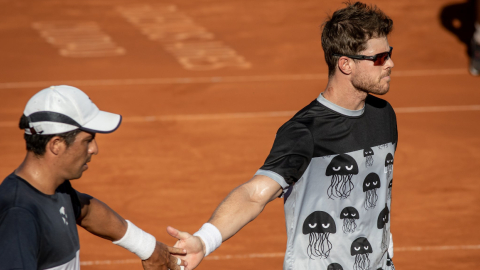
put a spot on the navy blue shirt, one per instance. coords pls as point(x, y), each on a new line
point(38, 231)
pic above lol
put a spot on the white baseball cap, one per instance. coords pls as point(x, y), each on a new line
point(64, 108)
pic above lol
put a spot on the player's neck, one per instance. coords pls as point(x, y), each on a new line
point(37, 172)
point(343, 94)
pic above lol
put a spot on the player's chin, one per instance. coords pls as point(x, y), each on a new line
point(77, 175)
point(382, 89)
point(379, 92)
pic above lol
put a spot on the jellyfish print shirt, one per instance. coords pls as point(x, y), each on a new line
point(336, 168)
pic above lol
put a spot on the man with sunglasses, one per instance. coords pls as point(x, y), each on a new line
point(332, 162)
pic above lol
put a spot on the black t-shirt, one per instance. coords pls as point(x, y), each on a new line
point(336, 166)
point(321, 131)
point(38, 231)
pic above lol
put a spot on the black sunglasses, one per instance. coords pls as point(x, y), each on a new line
point(378, 59)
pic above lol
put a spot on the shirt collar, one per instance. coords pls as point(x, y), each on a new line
point(339, 109)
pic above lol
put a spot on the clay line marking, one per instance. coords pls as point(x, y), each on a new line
point(438, 109)
point(227, 79)
point(223, 116)
point(194, 47)
point(413, 73)
point(78, 39)
point(281, 254)
point(436, 248)
point(219, 116)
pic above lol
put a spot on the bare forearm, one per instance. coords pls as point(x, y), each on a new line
point(235, 212)
point(101, 220)
point(243, 205)
point(240, 207)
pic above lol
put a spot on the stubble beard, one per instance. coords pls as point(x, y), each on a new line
point(366, 84)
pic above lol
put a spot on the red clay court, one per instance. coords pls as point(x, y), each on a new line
point(196, 126)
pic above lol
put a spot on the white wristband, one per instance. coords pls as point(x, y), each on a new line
point(137, 241)
point(211, 236)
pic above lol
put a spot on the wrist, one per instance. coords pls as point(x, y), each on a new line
point(204, 248)
point(210, 237)
point(137, 241)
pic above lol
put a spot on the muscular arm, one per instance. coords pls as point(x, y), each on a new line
point(244, 204)
point(99, 219)
point(240, 207)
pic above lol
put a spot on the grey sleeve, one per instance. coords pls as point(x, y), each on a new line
point(19, 241)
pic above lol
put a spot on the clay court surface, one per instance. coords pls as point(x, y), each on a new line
point(194, 130)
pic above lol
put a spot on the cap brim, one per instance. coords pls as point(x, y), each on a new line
point(103, 122)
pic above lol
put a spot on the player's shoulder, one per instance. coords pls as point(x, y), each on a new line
point(8, 191)
point(16, 195)
point(304, 116)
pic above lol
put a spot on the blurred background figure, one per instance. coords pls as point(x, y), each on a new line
point(463, 20)
point(475, 56)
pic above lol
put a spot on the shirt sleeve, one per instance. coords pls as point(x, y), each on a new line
point(291, 153)
point(19, 240)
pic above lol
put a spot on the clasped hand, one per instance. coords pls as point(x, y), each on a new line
point(163, 259)
point(193, 245)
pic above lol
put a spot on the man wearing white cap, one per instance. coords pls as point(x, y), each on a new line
point(39, 209)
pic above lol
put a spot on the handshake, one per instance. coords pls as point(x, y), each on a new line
point(186, 254)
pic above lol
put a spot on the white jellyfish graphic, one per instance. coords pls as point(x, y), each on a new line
point(349, 215)
point(334, 266)
point(370, 186)
point(319, 225)
point(341, 168)
point(382, 225)
point(360, 249)
point(368, 154)
point(389, 165)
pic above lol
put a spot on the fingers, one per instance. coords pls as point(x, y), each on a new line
point(176, 250)
point(177, 234)
point(176, 263)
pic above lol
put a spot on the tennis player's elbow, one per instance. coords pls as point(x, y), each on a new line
point(257, 196)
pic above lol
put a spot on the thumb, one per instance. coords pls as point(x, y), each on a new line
point(177, 234)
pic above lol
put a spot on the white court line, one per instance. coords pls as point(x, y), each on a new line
point(438, 109)
point(436, 248)
point(227, 79)
point(223, 116)
point(220, 116)
point(281, 254)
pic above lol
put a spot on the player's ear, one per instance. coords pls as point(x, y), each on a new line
point(56, 145)
point(345, 65)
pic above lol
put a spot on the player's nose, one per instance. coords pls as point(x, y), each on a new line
point(389, 63)
point(93, 147)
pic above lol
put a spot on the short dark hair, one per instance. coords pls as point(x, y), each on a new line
point(37, 143)
point(347, 31)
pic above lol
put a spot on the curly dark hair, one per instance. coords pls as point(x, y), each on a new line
point(37, 143)
point(347, 31)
